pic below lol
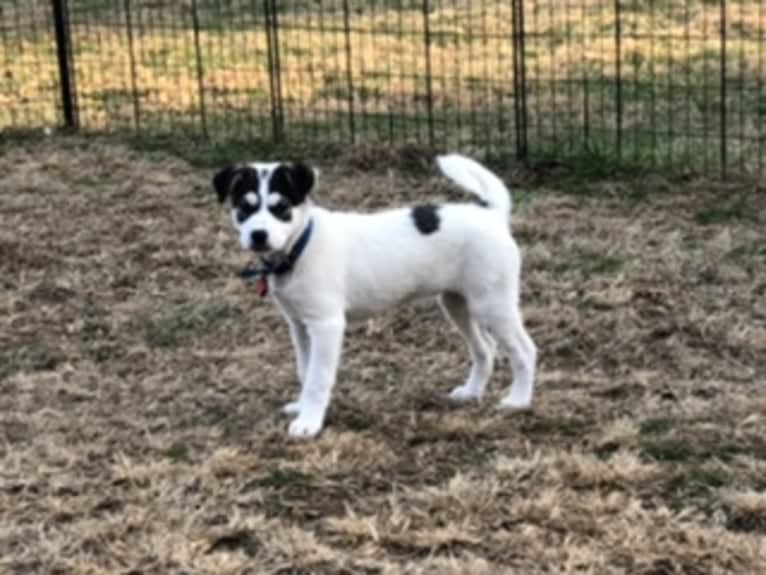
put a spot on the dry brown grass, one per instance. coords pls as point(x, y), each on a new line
point(140, 384)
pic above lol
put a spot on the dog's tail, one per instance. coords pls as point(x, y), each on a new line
point(474, 177)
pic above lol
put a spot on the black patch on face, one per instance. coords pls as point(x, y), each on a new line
point(244, 211)
point(293, 182)
point(222, 181)
point(234, 183)
point(282, 210)
point(426, 218)
point(245, 182)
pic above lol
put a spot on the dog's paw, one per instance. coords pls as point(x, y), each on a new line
point(519, 397)
point(464, 393)
point(306, 426)
point(292, 408)
point(511, 403)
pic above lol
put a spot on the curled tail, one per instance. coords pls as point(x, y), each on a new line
point(472, 176)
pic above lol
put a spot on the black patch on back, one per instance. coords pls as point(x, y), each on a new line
point(294, 182)
point(426, 218)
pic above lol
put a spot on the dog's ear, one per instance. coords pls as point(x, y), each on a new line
point(303, 178)
point(223, 181)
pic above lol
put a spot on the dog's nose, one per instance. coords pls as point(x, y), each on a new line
point(258, 240)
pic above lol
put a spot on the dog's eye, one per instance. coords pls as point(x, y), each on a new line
point(244, 212)
point(281, 209)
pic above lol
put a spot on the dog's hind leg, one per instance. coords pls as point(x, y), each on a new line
point(480, 344)
point(509, 330)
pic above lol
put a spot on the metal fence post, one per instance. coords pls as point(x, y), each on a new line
point(200, 69)
point(66, 64)
point(618, 73)
point(349, 69)
point(133, 73)
point(723, 89)
point(275, 74)
point(278, 70)
point(519, 78)
point(429, 73)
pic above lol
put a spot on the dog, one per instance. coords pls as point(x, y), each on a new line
point(326, 267)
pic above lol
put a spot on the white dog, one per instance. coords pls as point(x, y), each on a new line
point(324, 267)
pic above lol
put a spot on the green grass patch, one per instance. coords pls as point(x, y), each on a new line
point(723, 213)
point(564, 427)
point(37, 357)
point(748, 252)
point(656, 426)
point(282, 478)
point(705, 478)
point(669, 451)
point(354, 420)
point(591, 263)
point(609, 265)
point(178, 452)
point(695, 482)
point(681, 450)
point(605, 452)
point(725, 451)
point(178, 325)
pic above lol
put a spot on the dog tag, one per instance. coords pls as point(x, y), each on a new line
point(262, 286)
point(255, 273)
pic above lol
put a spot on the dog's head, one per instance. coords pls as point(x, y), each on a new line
point(268, 202)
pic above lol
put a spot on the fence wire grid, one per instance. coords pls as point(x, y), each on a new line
point(675, 84)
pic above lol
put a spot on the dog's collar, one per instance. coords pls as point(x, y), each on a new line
point(281, 264)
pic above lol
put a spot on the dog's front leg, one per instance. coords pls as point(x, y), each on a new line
point(300, 337)
point(326, 342)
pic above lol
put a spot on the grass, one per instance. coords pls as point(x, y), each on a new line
point(726, 211)
point(177, 326)
point(178, 452)
point(567, 427)
point(669, 451)
point(141, 383)
point(670, 111)
point(608, 265)
point(281, 478)
point(30, 358)
point(591, 263)
point(656, 426)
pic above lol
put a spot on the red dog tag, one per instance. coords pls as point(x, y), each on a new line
point(262, 286)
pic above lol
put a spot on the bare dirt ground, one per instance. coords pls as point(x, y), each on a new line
point(141, 381)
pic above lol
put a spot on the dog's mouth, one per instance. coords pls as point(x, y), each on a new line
point(252, 270)
point(269, 257)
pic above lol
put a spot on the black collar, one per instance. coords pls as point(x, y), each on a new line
point(280, 264)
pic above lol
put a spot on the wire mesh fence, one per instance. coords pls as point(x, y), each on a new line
point(675, 84)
